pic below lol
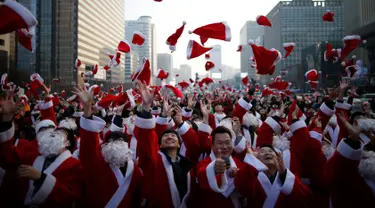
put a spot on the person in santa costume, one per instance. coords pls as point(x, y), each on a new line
point(166, 173)
point(55, 177)
point(112, 160)
point(350, 171)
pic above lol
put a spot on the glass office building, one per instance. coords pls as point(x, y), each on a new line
point(300, 21)
point(148, 49)
point(71, 29)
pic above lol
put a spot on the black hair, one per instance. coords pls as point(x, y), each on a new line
point(71, 138)
point(170, 131)
point(269, 146)
point(354, 115)
point(220, 130)
point(193, 125)
point(116, 135)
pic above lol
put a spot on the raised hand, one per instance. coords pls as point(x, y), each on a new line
point(86, 99)
point(178, 117)
point(280, 164)
point(146, 95)
point(190, 102)
point(220, 165)
point(205, 111)
point(344, 84)
point(295, 113)
point(47, 90)
point(236, 126)
point(166, 107)
point(8, 108)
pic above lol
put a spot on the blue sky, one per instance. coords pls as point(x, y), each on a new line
point(168, 15)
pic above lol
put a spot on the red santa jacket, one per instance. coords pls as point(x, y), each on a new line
point(160, 188)
point(105, 185)
point(342, 108)
point(253, 183)
point(64, 177)
point(190, 147)
point(216, 190)
point(347, 187)
point(46, 109)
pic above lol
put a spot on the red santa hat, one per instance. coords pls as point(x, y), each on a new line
point(312, 77)
point(25, 37)
point(14, 16)
point(115, 60)
point(328, 52)
point(4, 79)
point(106, 101)
point(77, 64)
point(172, 40)
point(209, 65)
point(351, 43)
point(95, 89)
point(292, 108)
point(175, 91)
point(63, 94)
point(266, 91)
point(266, 60)
point(36, 83)
point(245, 80)
point(206, 81)
point(144, 72)
point(24, 100)
point(263, 20)
point(239, 49)
point(119, 88)
point(279, 84)
point(207, 56)
point(220, 31)
point(56, 80)
point(288, 47)
point(138, 38)
point(194, 49)
point(124, 46)
point(161, 74)
point(328, 16)
point(183, 85)
point(351, 68)
point(177, 75)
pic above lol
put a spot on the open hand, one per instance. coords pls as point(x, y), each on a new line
point(8, 108)
point(146, 95)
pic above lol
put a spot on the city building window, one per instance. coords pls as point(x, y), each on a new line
point(2, 42)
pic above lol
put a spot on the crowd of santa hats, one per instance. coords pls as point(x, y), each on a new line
point(15, 17)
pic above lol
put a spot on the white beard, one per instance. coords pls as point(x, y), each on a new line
point(367, 165)
point(328, 150)
point(282, 143)
point(250, 120)
point(51, 142)
point(116, 153)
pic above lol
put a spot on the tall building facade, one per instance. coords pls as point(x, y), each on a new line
point(165, 62)
point(148, 49)
point(100, 28)
point(184, 73)
point(250, 30)
point(72, 29)
point(215, 57)
point(300, 21)
point(359, 17)
point(131, 65)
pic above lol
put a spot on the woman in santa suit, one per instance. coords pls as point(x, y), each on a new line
point(55, 177)
point(112, 178)
point(350, 171)
point(167, 180)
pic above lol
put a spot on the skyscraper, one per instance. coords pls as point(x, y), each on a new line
point(250, 30)
point(131, 65)
point(148, 49)
point(184, 72)
point(215, 57)
point(165, 62)
point(359, 19)
point(72, 29)
point(300, 21)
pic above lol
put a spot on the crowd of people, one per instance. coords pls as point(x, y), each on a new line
point(220, 149)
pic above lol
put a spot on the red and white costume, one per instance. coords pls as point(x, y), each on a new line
point(253, 183)
point(63, 183)
point(106, 186)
